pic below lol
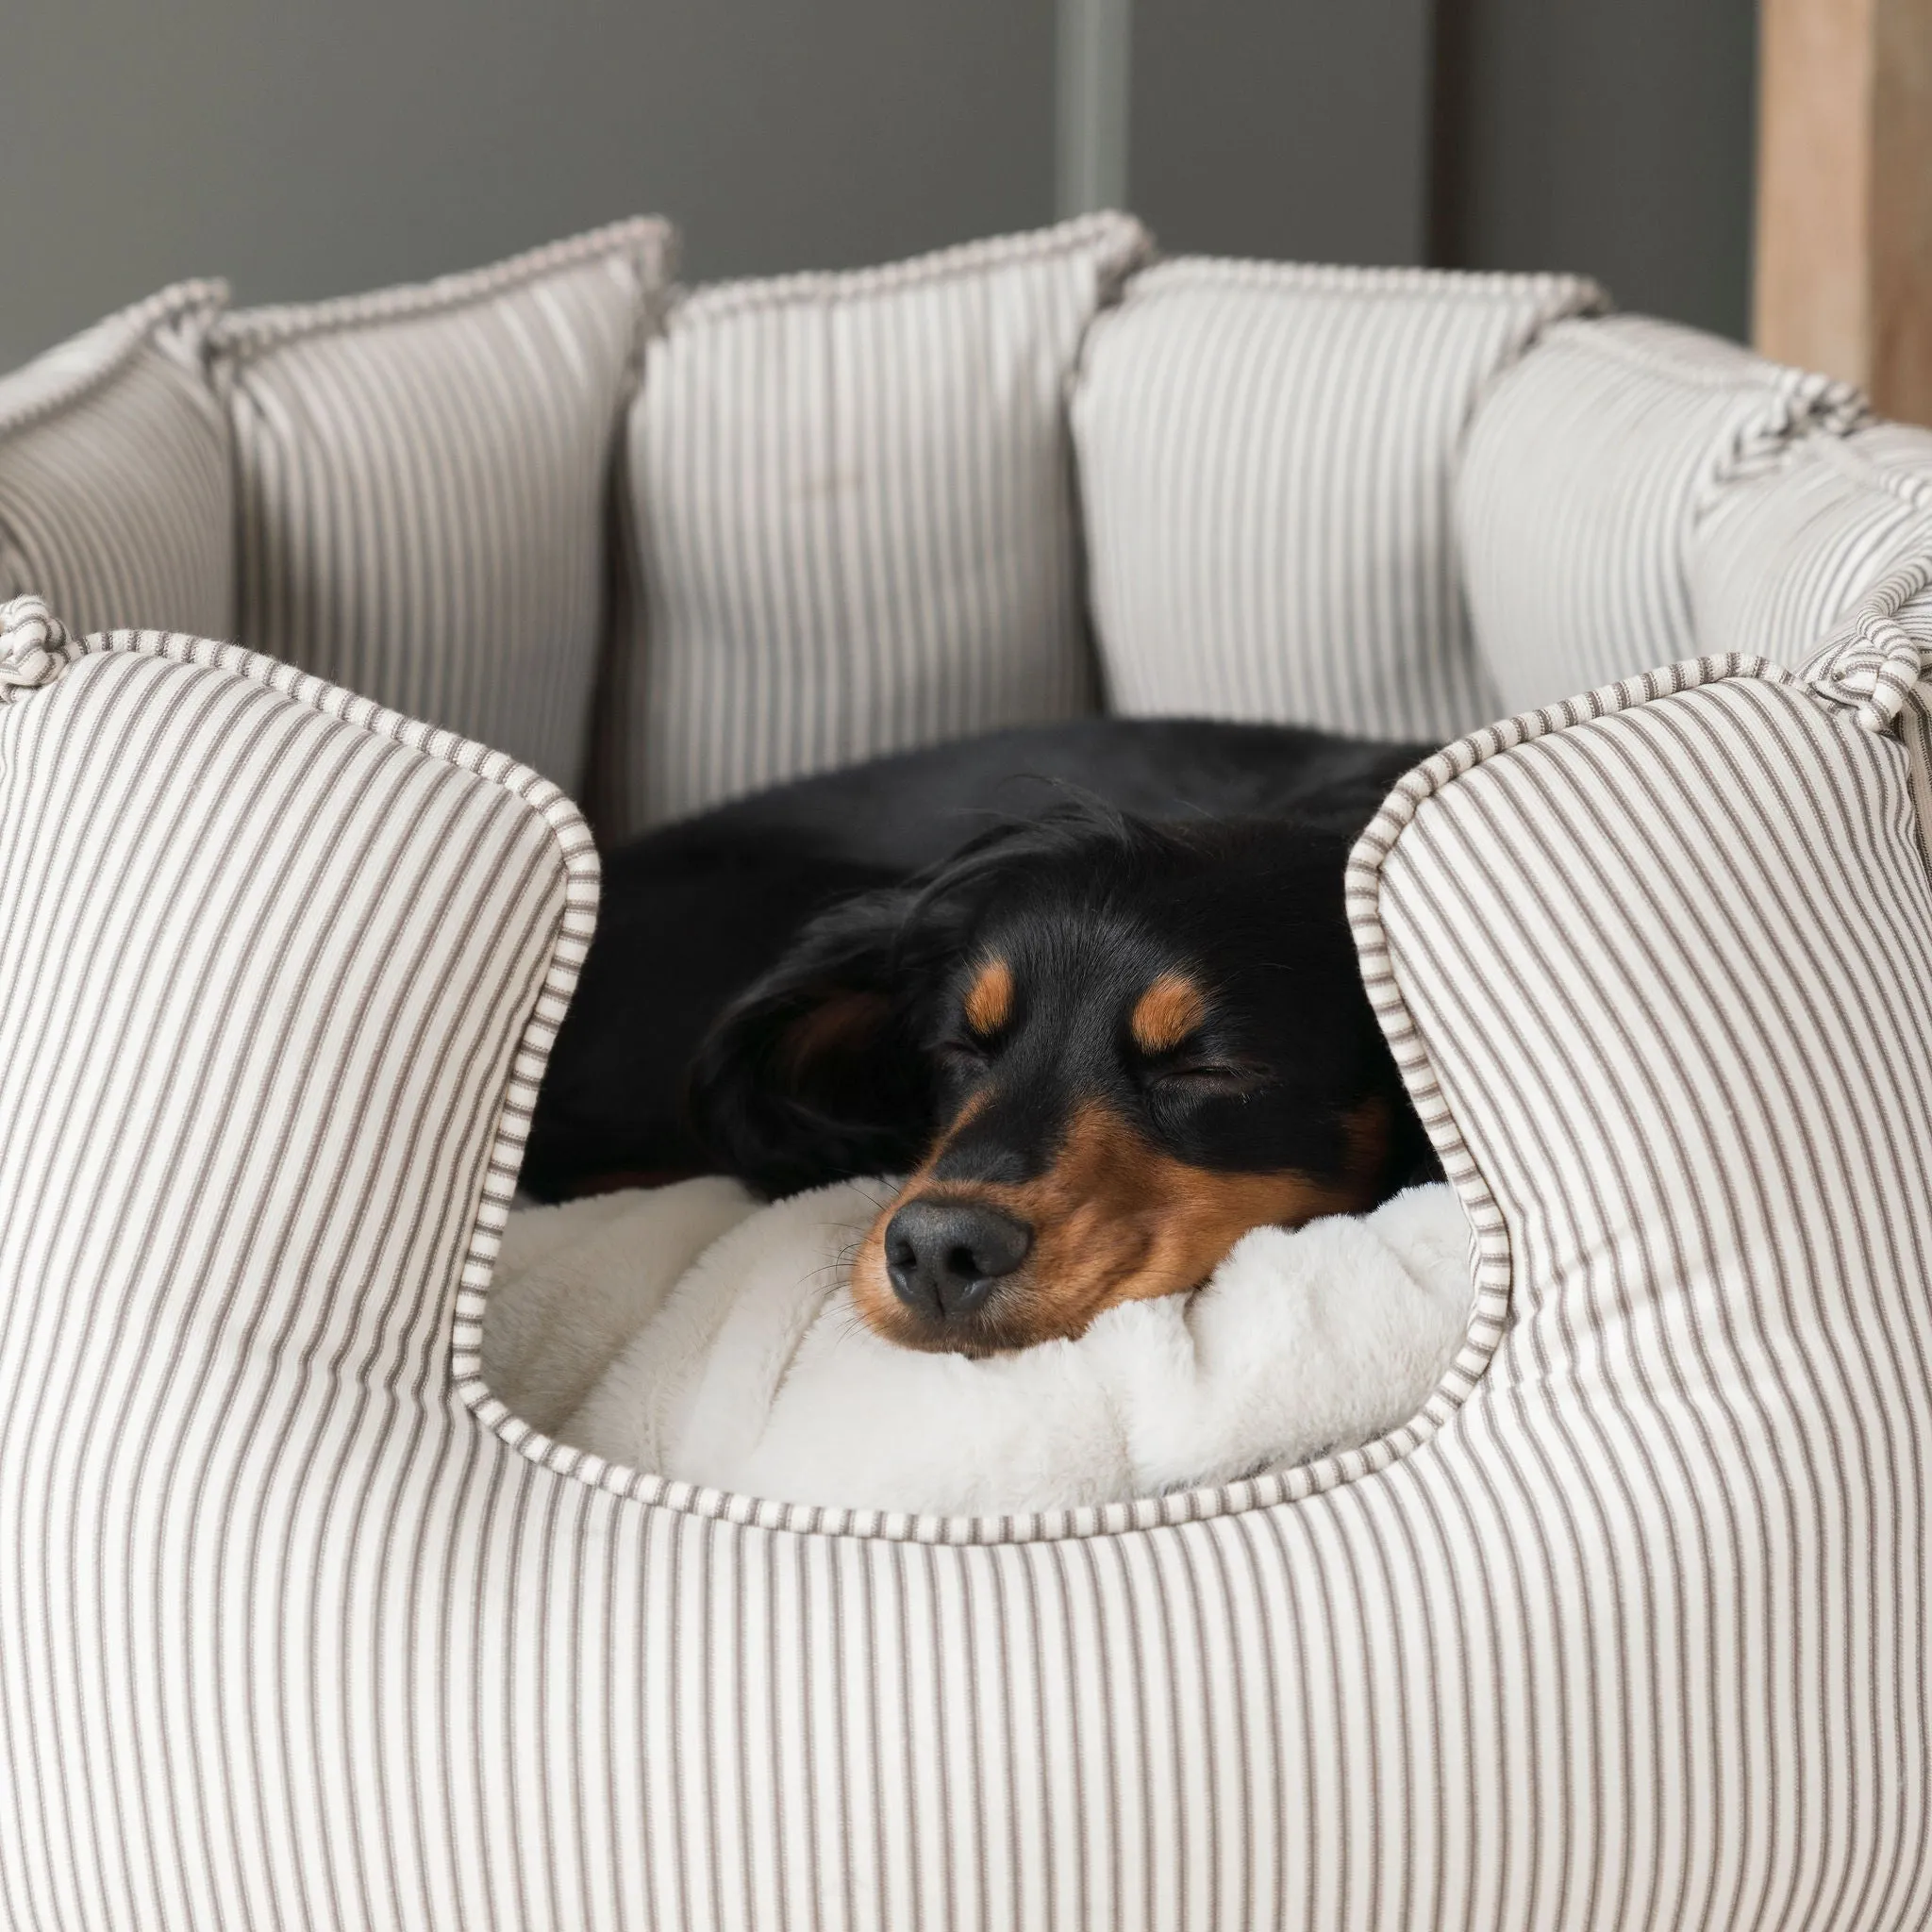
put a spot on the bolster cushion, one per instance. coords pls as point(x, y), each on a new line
point(116, 503)
point(853, 523)
point(424, 478)
point(1265, 457)
point(1588, 472)
point(1787, 555)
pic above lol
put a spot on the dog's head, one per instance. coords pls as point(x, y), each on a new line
point(1103, 1050)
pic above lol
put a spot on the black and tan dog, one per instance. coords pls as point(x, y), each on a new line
point(1091, 986)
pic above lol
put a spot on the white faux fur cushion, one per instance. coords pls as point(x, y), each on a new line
point(689, 1332)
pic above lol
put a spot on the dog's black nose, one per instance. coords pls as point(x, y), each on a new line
point(943, 1256)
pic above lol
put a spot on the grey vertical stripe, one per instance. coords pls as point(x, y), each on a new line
point(1624, 1629)
point(1589, 469)
point(854, 512)
point(1265, 457)
point(116, 503)
point(424, 478)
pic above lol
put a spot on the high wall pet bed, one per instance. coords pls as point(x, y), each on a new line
point(299, 1626)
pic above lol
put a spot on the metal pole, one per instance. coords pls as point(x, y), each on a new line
point(1095, 51)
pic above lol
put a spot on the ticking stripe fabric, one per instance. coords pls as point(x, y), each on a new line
point(1666, 964)
point(1624, 1630)
point(1879, 661)
point(1265, 456)
point(854, 518)
point(1784, 557)
point(116, 500)
point(425, 477)
point(1588, 472)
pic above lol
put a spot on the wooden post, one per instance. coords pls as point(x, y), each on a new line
point(1843, 277)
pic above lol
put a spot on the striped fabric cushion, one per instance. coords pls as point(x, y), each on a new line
point(424, 477)
point(1784, 556)
point(116, 499)
point(1586, 472)
point(1663, 953)
point(1265, 457)
point(1626, 1628)
point(853, 520)
point(1876, 661)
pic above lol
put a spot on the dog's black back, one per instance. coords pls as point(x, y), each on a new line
point(696, 914)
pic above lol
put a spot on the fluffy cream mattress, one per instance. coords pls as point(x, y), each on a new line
point(693, 1333)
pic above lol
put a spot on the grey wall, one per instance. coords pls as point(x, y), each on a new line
point(333, 145)
point(1612, 136)
point(341, 145)
point(1294, 128)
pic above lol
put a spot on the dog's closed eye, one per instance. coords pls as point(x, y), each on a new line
point(962, 1055)
point(1208, 1077)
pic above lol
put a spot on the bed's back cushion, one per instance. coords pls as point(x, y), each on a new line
point(1265, 457)
point(115, 497)
point(424, 476)
point(853, 523)
point(1587, 470)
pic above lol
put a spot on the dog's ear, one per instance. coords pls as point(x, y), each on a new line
point(815, 1074)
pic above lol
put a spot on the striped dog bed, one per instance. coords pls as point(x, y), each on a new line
point(303, 1626)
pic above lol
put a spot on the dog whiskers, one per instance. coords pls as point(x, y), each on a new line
point(838, 1270)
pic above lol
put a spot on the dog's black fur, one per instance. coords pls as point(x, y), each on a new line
point(773, 986)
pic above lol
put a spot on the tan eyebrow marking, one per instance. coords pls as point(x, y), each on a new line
point(1166, 1013)
point(990, 998)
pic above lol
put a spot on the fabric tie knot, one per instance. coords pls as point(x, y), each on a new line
point(1871, 661)
point(32, 647)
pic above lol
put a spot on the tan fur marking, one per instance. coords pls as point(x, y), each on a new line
point(1114, 1219)
point(990, 998)
point(1166, 1013)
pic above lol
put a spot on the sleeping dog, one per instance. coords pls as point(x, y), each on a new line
point(1090, 986)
